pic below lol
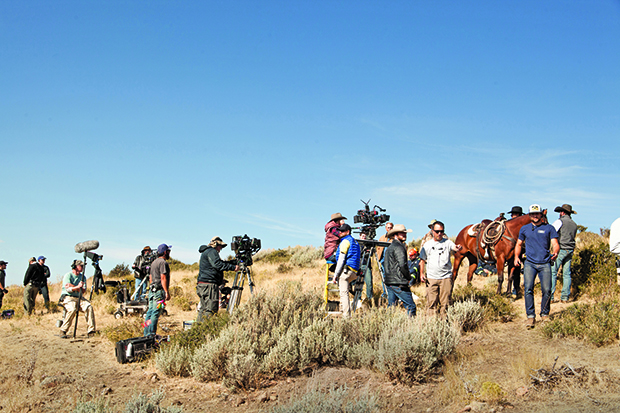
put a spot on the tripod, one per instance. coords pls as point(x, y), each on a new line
point(244, 272)
point(368, 250)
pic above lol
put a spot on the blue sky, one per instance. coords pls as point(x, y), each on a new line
point(139, 123)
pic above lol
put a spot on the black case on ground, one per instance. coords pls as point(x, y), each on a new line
point(132, 349)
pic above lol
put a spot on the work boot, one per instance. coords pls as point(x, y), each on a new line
point(63, 335)
point(529, 323)
point(544, 318)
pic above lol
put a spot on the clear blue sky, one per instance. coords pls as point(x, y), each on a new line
point(139, 123)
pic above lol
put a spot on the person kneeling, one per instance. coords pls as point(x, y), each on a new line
point(73, 287)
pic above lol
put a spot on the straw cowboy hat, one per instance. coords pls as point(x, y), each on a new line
point(337, 216)
point(398, 228)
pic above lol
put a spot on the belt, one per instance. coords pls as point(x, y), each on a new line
point(204, 282)
point(156, 287)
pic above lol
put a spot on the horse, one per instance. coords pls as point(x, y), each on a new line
point(502, 250)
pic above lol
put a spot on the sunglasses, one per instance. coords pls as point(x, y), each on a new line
point(438, 231)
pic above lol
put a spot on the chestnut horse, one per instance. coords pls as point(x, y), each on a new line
point(503, 250)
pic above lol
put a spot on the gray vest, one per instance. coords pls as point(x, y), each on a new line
point(567, 233)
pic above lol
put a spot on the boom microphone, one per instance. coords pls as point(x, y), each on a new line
point(86, 246)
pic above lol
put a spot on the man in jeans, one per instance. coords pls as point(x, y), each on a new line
point(159, 289)
point(435, 259)
point(567, 230)
point(538, 237)
point(397, 275)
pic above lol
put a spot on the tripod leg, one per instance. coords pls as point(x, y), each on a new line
point(250, 282)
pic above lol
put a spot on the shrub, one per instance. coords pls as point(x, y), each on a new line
point(496, 307)
point(468, 315)
point(124, 329)
point(284, 269)
point(491, 392)
point(120, 271)
point(306, 256)
point(200, 333)
point(593, 268)
point(137, 404)
point(337, 400)
point(596, 323)
point(176, 265)
point(409, 349)
point(174, 360)
point(274, 257)
point(280, 333)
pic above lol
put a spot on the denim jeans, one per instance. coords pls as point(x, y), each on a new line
point(530, 270)
point(368, 282)
point(142, 286)
point(152, 314)
point(563, 260)
point(402, 293)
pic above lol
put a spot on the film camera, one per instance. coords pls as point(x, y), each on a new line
point(98, 283)
point(244, 247)
point(370, 219)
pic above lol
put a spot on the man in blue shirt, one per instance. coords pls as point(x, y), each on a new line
point(538, 238)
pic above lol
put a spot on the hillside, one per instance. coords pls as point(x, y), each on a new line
point(490, 370)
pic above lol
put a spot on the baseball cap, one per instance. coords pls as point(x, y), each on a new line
point(344, 228)
point(3, 262)
point(41, 258)
point(535, 209)
point(163, 248)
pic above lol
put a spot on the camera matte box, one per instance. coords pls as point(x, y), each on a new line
point(130, 350)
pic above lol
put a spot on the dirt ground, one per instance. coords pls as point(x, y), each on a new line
point(41, 372)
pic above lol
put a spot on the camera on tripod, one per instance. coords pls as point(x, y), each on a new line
point(95, 258)
point(244, 247)
point(370, 219)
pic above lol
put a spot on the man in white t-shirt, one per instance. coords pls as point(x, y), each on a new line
point(435, 259)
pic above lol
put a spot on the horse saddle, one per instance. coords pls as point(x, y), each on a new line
point(487, 234)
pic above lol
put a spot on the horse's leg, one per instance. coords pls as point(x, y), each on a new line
point(511, 269)
point(458, 258)
point(473, 264)
point(500, 273)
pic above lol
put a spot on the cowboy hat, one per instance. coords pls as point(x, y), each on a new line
point(516, 210)
point(566, 208)
point(337, 216)
point(398, 228)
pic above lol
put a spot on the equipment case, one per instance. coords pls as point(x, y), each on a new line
point(130, 350)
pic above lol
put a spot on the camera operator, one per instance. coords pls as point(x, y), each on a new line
point(141, 267)
point(332, 236)
point(3, 290)
point(159, 290)
point(349, 257)
point(33, 281)
point(211, 277)
point(74, 284)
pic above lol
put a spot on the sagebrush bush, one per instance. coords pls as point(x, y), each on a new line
point(276, 334)
point(597, 323)
point(124, 329)
point(491, 392)
point(336, 400)
point(173, 360)
point(409, 348)
point(273, 256)
point(468, 315)
point(307, 256)
point(176, 265)
point(496, 307)
point(139, 403)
